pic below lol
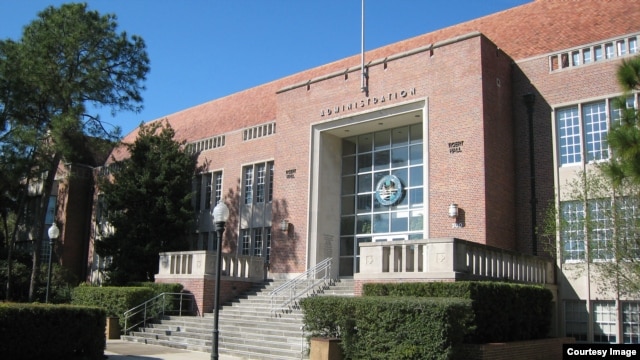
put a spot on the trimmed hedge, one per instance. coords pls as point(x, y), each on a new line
point(503, 311)
point(390, 328)
point(38, 331)
point(113, 299)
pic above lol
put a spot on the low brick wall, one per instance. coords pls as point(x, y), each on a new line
point(543, 349)
point(203, 289)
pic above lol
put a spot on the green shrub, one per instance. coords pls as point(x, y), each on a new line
point(38, 331)
point(114, 300)
point(390, 328)
point(503, 311)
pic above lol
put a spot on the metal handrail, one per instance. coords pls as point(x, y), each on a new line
point(285, 296)
point(155, 308)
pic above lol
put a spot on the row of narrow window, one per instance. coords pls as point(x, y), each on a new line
point(206, 144)
point(583, 129)
point(588, 231)
point(591, 54)
point(259, 131)
point(605, 317)
point(219, 141)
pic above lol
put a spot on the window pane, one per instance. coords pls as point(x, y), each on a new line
point(348, 165)
point(382, 140)
point(346, 246)
point(416, 197)
point(349, 146)
point(598, 53)
point(365, 142)
point(399, 157)
point(347, 225)
point(416, 176)
point(381, 160)
point(364, 224)
point(348, 185)
point(399, 221)
point(416, 221)
point(364, 162)
point(364, 183)
point(609, 51)
point(586, 56)
point(400, 137)
point(415, 156)
point(364, 203)
point(348, 205)
point(381, 223)
point(248, 185)
point(416, 134)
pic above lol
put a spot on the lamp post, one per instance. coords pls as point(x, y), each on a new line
point(220, 216)
point(53, 233)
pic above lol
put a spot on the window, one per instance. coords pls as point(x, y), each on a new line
point(633, 45)
point(621, 47)
point(575, 58)
point(586, 56)
point(569, 135)
point(604, 321)
point(609, 50)
point(576, 319)
point(598, 52)
point(587, 124)
point(629, 212)
point(256, 242)
point(595, 120)
point(631, 322)
point(258, 183)
point(393, 157)
point(572, 231)
point(601, 229)
point(208, 190)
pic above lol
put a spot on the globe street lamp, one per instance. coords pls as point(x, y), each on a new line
point(220, 216)
point(53, 233)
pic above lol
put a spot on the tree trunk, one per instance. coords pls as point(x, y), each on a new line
point(40, 218)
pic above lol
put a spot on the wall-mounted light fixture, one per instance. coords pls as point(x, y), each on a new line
point(453, 210)
point(284, 225)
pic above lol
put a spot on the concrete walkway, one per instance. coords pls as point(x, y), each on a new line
point(126, 350)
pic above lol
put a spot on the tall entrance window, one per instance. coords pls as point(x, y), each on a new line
point(207, 188)
point(255, 222)
point(382, 190)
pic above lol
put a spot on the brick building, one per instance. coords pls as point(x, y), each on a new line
point(315, 165)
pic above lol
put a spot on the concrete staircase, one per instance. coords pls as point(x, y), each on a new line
point(247, 328)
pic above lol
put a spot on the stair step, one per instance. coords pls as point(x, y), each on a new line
point(247, 327)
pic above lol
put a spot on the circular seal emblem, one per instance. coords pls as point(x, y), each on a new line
point(389, 190)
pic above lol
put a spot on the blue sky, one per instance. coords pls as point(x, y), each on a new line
point(201, 50)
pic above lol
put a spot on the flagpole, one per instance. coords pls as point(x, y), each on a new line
point(363, 84)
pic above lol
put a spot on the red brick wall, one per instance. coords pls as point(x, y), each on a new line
point(452, 80)
point(203, 289)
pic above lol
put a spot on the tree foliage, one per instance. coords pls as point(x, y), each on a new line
point(68, 62)
point(148, 204)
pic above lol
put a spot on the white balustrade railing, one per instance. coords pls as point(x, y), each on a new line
point(200, 263)
point(450, 259)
